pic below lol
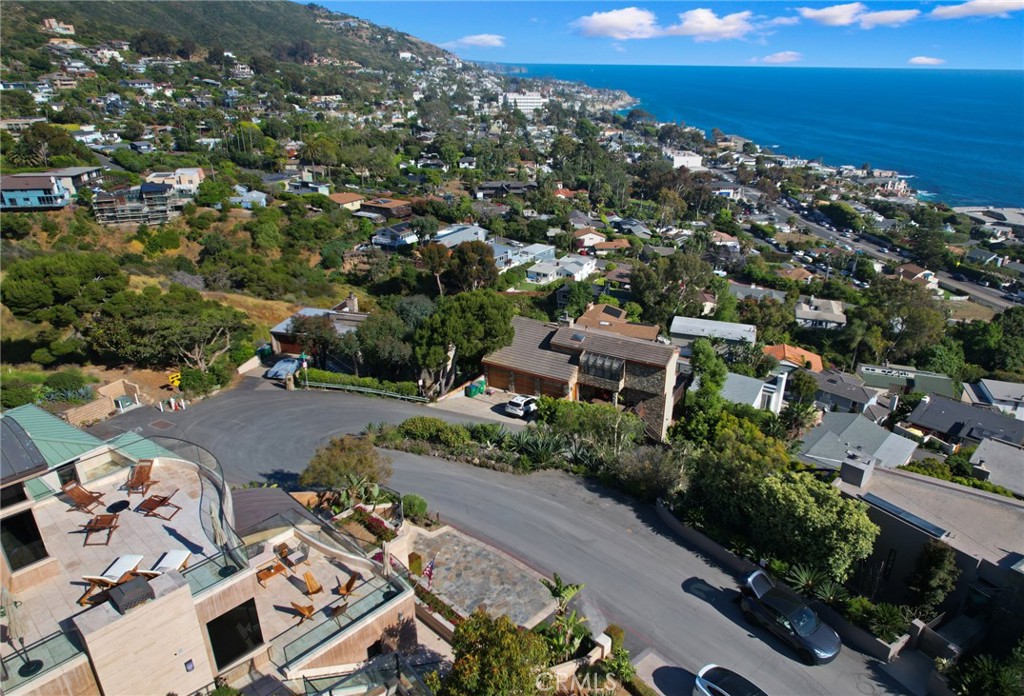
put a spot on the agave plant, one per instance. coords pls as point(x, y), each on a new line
point(579, 454)
point(831, 593)
point(517, 442)
point(544, 448)
point(804, 579)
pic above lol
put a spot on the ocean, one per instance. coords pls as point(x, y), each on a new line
point(958, 133)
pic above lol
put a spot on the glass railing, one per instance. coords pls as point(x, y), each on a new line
point(36, 660)
point(385, 671)
point(302, 639)
point(210, 571)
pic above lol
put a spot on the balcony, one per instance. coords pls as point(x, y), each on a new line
point(385, 674)
point(602, 372)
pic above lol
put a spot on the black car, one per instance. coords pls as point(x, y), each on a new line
point(784, 613)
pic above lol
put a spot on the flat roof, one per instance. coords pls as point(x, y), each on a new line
point(982, 524)
point(709, 328)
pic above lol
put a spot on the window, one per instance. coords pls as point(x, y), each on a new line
point(235, 633)
point(12, 495)
point(21, 542)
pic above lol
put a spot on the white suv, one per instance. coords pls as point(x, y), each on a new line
point(521, 406)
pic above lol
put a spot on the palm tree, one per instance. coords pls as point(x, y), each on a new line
point(797, 417)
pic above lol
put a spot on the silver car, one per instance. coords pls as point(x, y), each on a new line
point(713, 680)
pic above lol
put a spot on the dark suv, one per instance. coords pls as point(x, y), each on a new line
point(785, 614)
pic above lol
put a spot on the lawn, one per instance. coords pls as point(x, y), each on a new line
point(970, 311)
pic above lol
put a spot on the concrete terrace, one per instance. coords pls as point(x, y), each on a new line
point(48, 606)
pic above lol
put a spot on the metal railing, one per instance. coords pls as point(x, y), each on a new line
point(31, 662)
point(383, 671)
point(363, 390)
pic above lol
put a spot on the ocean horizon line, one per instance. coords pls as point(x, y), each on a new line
point(922, 69)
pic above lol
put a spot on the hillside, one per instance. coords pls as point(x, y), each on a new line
point(245, 27)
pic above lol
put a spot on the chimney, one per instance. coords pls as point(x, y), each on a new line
point(566, 320)
point(590, 306)
point(857, 471)
point(352, 302)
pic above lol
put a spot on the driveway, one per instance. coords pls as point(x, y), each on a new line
point(636, 573)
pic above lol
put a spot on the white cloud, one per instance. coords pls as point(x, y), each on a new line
point(834, 16)
point(619, 48)
point(783, 21)
point(781, 57)
point(978, 8)
point(886, 18)
point(636, 23)
point(704, 25)
point(477, 41)
point(627, 23)
point(925, 60)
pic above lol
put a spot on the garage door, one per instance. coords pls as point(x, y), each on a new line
point(497, 378)
point(553, 389)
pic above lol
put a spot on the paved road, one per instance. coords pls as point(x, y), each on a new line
point(637, 575)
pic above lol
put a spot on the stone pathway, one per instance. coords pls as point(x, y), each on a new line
point(469, 574)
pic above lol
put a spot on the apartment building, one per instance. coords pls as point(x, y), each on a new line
point(147, 203)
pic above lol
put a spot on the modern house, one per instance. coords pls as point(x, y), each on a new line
point(1000, 463)
point(584, 364)
point(839, 434)
point(955, 422)
point(842, 392)
point(30, 192)
point(184, 585)
point(76, 178)
point(454, 235)
point(983, 529)
point(184, 180)
point(902, 379)
point(571, 266)
point(793, 358)
point(394, 237)
point(486, 190)
point(1008, 397)
point(755, 292)
point(816, 313)
point(387, 207)
point(248, 199)
point(685, 330)
point(148, 204)
point(761, 394)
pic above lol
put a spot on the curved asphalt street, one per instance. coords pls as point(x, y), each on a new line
point(667, 597)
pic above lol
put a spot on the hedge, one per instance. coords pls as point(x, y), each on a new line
point(437, 605)
point(325, 377)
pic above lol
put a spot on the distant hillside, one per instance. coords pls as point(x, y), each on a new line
point(245, 27)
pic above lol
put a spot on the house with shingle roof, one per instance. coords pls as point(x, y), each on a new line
point(955, 422)
point(839, 434)
point(792, 358)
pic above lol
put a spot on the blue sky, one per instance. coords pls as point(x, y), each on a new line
point(974, 34)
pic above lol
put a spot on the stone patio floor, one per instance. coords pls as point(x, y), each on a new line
point(470, 574)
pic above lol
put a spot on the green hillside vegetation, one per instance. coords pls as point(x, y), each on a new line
point(245, 27)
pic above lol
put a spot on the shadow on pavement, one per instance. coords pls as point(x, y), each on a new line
point(727, 601)
point(673, 680)
point(287, 480)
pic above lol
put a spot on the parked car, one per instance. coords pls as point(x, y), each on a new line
point(960, 277)
point(282, 368)
point(713, 680)
point(776, 607)
point(521, 406)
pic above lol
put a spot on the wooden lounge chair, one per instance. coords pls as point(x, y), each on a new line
point(339, 610)
point(139, 480)
point(346, 590)
point(151, 506)
point(116, 573)
point(305, 612)
point(176, 559)
point(81, 499)
point(99, 524)
point(312, 585)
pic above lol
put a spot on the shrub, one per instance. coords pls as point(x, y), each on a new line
point(617, 634)
point(438, 605)
point(415, 563)
point(430, 429)
point(638, 687)
point(373, 524)
point(832, 593)
point(325, 377)
point(859, 610)
point(16, 392)
point(888, 622)
point(804, 579)
point(934, 578)
point(414, 506)
point(66, 380)
point(645, 472)
point(195, 381)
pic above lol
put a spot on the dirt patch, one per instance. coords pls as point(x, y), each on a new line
point(153, 383)
point(263, 313)
point(970, 311)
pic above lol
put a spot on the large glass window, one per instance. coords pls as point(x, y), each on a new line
point(12, 495)
point(19, 536)
point(235, 633)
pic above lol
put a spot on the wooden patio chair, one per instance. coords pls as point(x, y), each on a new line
point(139, 480)
point(117, 572)
point(313, 586)
point(81, 499)
point(305, 612)
point(346, 589)
point(151, 506)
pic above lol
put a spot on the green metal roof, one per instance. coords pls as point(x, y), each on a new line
point(57, 441)
point(138, 447)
